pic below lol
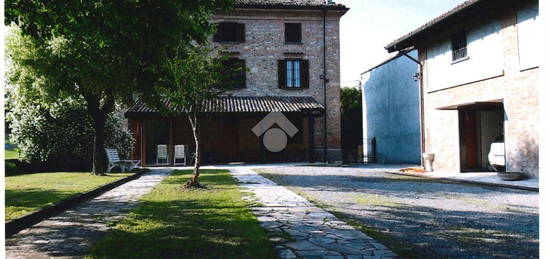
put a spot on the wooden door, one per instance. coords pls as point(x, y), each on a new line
point(468, 123)
point(220, 140)
point(230, 134)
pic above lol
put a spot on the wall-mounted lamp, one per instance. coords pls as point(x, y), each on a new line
point(416, 77)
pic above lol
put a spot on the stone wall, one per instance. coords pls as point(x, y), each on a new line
point(265, 44)
point(516, 86)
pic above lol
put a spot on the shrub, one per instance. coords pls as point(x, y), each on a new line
point(350, 110)
point(61, 135)
point(12, 169)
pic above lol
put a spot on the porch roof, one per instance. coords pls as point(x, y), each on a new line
point(487, 105)
point(243, 104)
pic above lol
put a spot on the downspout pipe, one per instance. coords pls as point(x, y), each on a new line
point(421, 106)
point(325, 82)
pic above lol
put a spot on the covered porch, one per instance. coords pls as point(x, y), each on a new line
point(226, 130)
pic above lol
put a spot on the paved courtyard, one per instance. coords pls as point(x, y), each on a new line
point(422, 217)
point(311, 231)
point(72, 233)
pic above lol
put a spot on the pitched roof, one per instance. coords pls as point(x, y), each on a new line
point(468, 10)
point(390, 59)
point(288, 4)
point(243, 104)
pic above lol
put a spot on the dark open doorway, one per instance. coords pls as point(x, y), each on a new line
point(480, 125)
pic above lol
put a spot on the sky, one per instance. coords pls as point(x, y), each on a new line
point(370, 25)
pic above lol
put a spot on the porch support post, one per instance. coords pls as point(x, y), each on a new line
point(143, 152)
point(238, 121)
point(310, 139)
point(171, 143)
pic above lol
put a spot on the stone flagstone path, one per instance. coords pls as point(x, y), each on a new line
point(72, 233)
point(316, 233)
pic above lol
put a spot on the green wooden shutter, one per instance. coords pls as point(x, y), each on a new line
point(242, 64)
point(241, 32)
point(282, 73)
point(304, 73)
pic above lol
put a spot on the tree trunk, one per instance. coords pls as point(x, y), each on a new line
point(99, 113)
point(99, 157)
point(195, 125)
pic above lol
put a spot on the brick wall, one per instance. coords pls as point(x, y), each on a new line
point(264, 45)
point(516, 87)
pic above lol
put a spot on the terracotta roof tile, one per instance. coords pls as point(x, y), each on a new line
point(288, 4)
point(407, 37)
point(243, 104)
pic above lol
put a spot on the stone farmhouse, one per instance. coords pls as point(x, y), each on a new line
point(480, 83)
point(291, 51)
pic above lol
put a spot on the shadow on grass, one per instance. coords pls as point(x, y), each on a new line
point(195, 223)
point(165, 230)
point(23, 201)
point(207, 176)
point(30, 192)
point(68, 233)
point(34, 198)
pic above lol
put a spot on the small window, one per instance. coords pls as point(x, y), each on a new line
point(293, 32)
point(459, 46)
point(293, 73)
point(230, 32)
point(237, 68)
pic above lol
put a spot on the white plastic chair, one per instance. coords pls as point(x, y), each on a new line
point(113, 160)
point(180, 152)
point(162, 153)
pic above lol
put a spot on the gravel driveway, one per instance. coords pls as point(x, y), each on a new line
point(419, 217)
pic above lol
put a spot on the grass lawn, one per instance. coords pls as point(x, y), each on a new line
point(201, 223)
point(11, 153)
point(30, 192)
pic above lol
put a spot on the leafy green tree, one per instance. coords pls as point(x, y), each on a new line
point(351, 110)
point(100, 51)
point(58, 135)
point(197, 75)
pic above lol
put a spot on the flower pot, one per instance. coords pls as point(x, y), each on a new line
point(428, 161)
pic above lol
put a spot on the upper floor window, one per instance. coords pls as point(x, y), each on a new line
point(237, 69)
point(293, 32)
point(230, 32)
point(459, 46)
point(293, 73)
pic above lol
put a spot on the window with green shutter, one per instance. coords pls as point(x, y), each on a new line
point(293, 73)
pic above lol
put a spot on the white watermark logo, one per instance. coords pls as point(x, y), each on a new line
point(275, 139)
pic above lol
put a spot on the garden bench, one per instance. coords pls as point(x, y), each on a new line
point(113, 160)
